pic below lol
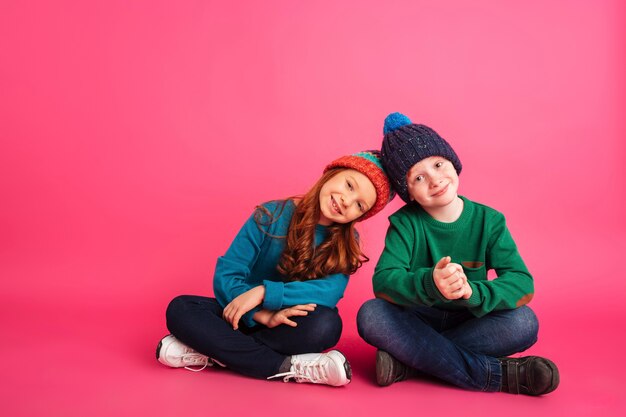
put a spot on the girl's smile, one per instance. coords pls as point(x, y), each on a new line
point(335, 206)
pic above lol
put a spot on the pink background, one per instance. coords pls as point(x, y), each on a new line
point(137, 136)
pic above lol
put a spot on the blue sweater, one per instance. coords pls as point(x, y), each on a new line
point(252, 258)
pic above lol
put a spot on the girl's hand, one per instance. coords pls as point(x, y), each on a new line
point(450, 279)
point(242, 304)
point(282, 316)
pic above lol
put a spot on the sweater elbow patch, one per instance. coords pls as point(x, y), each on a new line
point(524, 300)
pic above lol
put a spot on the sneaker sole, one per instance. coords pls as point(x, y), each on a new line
point(348, 369)
point(346, 366)
point(158, 349)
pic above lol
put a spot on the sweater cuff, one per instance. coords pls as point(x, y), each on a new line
point(247, 318)
point(473, 301)
point(431, 289)
point(274, 292)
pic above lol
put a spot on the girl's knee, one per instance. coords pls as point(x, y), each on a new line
point(328, 326)
point(176, 305)
point(176, 310)
point(318, 331)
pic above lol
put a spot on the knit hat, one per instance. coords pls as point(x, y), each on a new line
point(405, 144)
point(368, 163)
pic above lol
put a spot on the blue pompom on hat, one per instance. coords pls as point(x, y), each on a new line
point(405, 144)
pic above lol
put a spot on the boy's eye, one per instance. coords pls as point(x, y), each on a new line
point(361, 207)
point(349, 185)
point(439, 164)
point(419, 178)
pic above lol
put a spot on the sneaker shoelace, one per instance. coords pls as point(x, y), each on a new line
point(196, 359)
point(314, 372)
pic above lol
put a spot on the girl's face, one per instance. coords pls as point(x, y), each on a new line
point(433, 182)
point(345, 197)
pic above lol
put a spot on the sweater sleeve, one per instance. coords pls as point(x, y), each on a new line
point(233, 268)
point(513, 287)
point(325, 291)
point(395, 279)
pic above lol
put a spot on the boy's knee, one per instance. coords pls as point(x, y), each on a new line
point(521, 329)
point(369, 315)
point(524, 318)
point(526, 322)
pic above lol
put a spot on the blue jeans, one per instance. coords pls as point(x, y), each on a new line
point(259, 351)
point(454, 346)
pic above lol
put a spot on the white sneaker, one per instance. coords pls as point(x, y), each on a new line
point(331, 368)
point(175, 354)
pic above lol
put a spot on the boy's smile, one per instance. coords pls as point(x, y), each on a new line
point(439, 193)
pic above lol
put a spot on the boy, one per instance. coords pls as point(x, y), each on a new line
point(435, 312)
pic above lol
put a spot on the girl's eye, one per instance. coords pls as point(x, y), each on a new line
point(439, 164)
point(361, 208)
point(419, 178)
point(349, 185)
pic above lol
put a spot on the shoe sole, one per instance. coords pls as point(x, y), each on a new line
point(395, 371)
point(348, 369)
point(346, 366)
point(158, 349)
point(383, 361)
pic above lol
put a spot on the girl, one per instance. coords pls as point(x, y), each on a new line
point(277, 286)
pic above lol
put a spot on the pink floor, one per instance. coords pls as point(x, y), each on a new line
point(93, 355)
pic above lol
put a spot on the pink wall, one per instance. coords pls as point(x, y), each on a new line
point(136, 137)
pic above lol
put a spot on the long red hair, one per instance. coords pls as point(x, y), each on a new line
point(340, 251)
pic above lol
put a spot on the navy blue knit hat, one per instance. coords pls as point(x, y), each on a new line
point(405, 144)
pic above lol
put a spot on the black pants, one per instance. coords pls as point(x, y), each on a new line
point(259, 351)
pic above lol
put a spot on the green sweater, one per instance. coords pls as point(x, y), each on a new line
point(478, 240)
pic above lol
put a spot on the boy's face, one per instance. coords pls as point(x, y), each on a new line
point(433, 182)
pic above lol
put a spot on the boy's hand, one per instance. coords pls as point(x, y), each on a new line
point(467, 291)
point(450, 279)
point(242, 304)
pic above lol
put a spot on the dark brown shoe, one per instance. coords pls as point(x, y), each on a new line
point(530, 375)
point(389, 369)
